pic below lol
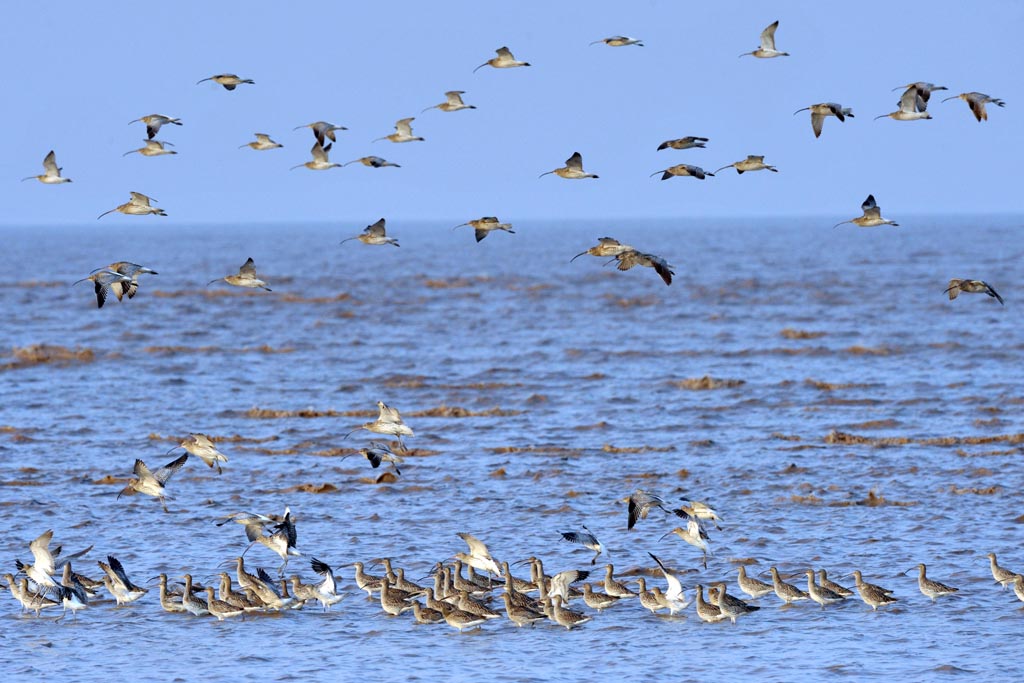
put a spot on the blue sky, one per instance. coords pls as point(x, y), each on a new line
point(83, 70)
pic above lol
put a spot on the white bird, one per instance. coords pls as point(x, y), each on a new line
point(403, 131)
point(586, 539)
point(320, 161)
point(262, 142)
point(674, 597)
point(43, 566)
point(559, 583)
point(872, 215)
point(767, 49)
point(322, 130)
point(695, 535)
point(482, 227)
point(478, 557)
point(388, 421)
point(619, 41)
point(153, 123)
point(453, 102)
point(753, 162)
point(246, 277)
point(977, 101)
point(820, 111)
point(327, 590)
point(152, 148)
point(138, 205)
point(504, 60)
point(229, 81)
point(573, 169)
point(374, 234)
point(911, 107)
point(51, 174)
point(152, 483)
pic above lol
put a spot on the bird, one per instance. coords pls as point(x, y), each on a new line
point(520, 614)
point(973, 287)
point(767, 49)
point(586, 539)
point(479, 557)
point(220, 608)
point(930, 588)
point(152, 148)
point(640, 503)
point(152, 483)
point(565, 617)
point(695, 535)
point(128, 269)
point(262, 142)
point(388, 421)
point(482, 227)
point(373, 234)
point(138, 205)
point(705, 610)
point(1003, 576)
point(153, 123)
point(872, 215)
point(832, 585)
point(281, 539)
point(632, 257)
point(689, 142)
point(51, 174)
point(606, 246)
point(752, 586)
point(229, 81)
point(820, 111)
point(40, 572)
point(378, 452)
point(118, 583)
point(911, 107)
point(872, 595)
point(372, 162)
point(322, 130)
point(573, 169)
point(1018, 586)
point(977, 101)
point(923, 88)
point(700, 510)
point(820, 594)
point(104, 282)
point(403, 131)
point(730, 607)
point(326, 592)
point(246, 277)
point(683, 170)
point(615, 588)
point(320, 161)
point(786, 592)
point(753, 162)
point(674, 598)
point(453, 102)
point(504, 60)
point(620, 41)
point(201, 446)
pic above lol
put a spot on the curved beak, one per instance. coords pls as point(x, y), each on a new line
point(951, 98)
point(582, 253)
point(800, 110)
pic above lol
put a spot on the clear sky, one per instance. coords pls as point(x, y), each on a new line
point(77, 72)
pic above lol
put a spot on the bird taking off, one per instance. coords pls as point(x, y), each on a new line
point(152, 483)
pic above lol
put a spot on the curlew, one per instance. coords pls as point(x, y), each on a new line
point(705, 610)
point(320, 161)
point(630, 258)
point(786, 592)
point(977, 101)
point(923, 88)
point(911, 107)
point(930, 588)
point(820, 111)
point(615, 588)
point(229, 81)
point(520, 614)
point(673, 598)
point(595, 600)
point(504, 60)
point(568, 618)
point(649, 599)
point(453, 102)
point(832, 585)
point(820, 594)
point(872, 216)
point(193, 604)
point(482, 227)
point(128, 269)
point(640, 502)
point(1003, 576)
point(403, 131)
point(169, 601)
point(246, 277)
point(573, 169)
point(607, 246)
point(322, 130)
point(262, 142)
point(375, 234)
point(104, 282)
point(153, 123)
point(700, 510)
point(478, 557)
point(1018, 586)
point(118, 583)
point(220, 608)
point(752, 586)
point(872, 595)
point(973, 287)
point(683, 170)
point(152, 483)
point(753, 162)
point(695, 535)
point(372, 162)
point(388, 421)
point(138, 205)
point(586, 539)
point(378, 452)
point(620, 41)
point(201, 446)
point(767, 49)
point(152, 148)
point(689, 142)
point(40, 572)
point(51, 172)
point(731, 607)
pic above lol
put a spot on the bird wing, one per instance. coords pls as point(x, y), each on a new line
point(43, 559)
point(609, 241)
point(50, 164)
point(768, 37)
point(579, 537)
point(117, 571)
point(319, 152)
point(476, 546)
point(992, 292)
point(377, 229)
point(910, 102)
point(504, 52)
point(662, 268)
point(977, 105)
point(454, 97)
point(575, 161)
point(675, 587)
point(139, 199)
point(164, 473)
point(868, 204)
point(387, 413)
point(248, 268)
point(403, 125)
point(954, 288)
point(263, 137)
point(628, 259)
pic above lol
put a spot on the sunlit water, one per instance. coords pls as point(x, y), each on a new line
point(576, 380)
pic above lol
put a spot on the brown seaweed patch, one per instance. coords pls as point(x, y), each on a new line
point(547, 450)
point(999, 451)
point(632, 302)
point(454, 282)
point(706, 383)
point(596, 375)
point(837, 437)
point(994, 422)
point(325, 487)
point(298, 298)
point(269, 413)
point(793, 333)
point(534, 399)
point(37, 354)
point(783, 437)
point(457, 411)
point(875, 424)
point(973, 490)
point(608, 448)
point(499, 473)
point(110, 479)
point(405, 382)
point(873, 499)
point(264, 348)
point(830, 386)
point(859, 350)
point(597, 425)
point(21, 482)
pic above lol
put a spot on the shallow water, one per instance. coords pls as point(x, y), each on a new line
point(582, 384)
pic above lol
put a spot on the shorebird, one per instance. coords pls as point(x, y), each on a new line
point(788, 593)
point(504, 60)
point(566, 617)
point(152, 483)
point(620, 41)
point(169, 601)
point(705, 610)
point(454, 102)
point(695, 535)
point(262, 142)
point(674, 598)
point(767, 49)
point(40, 572)
point(872, 216)
point(104, 282)
point(640, 502)
point(595, 600)
point(153, 123)
point(819, 594)
point(372, 162)
point(373, 234)
point(1004, 577)
point(931, 589)
point(730, 607)
point(478, 557)
point(573, 169)
point(378, 452)
point(689, 142)
point(820, 111)
point(246, 277)
point(229, 81)
point(220, 608)
point(615, 588)
point(117, 582)
point(753, 162)
point(30, 601)
point(322, 130)
point(606, 246)
point(152, 148)
point(51, 174)
point(482, 227)
point(364, 581)
point(586, 539)
point(977, 101)
point(459, 619)
point(683, 170)
point(1018, 586)
point(832, 585)
point(872, 595)
point(281, 539)
point(911, 107)
point(128, 269)
point(138, 205)
point(427, 615)
point(628, 259)
point(392, 600)
point(700, 510)
point(403, 131)
point(973, 287)
point(192, 604)
point(388, 421)
point(520, 614)
point(923, 88)
point(648, 599)
point(202, 447)
point(752, 586)
point(320, 161)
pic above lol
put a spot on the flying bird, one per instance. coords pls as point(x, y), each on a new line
point(820, 111)
point(606, 246)
point(262, 142)
point(322, 130)
point(246, 277)
point(753, 162)
point(201, 446)
point(619, 41)
point(689, 142)
point(51, 172)
point(229, 81)
point(372, 162)
point(403, 132)
point(453, 102)
point(153, 123)
point(152, 148)
point(483, 226)
point(972, 287)
point(911, 107)
point(504, 60)
point(104, 280)
point(320, 161)
point(628, 259)
point(586, 539)
point(373, 234)
point(683, 170)
point(128, 269)
point(767, 49)
point(388, 421)
point(872, 215)
point(138, 205)
point(152, 483)
point(573, 169)
point(977, 101)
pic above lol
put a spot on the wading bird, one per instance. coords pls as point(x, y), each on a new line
point(373, 234)
point(322, 130)
point(573, 169)
point(504, 60)
point(152, 148)
point(51, 172)
point(767, 49)
point(152, 483)
point(262, 142)
point(586, 539)
point(482, 227)
point(689, 142)
point(372, 162)
point(683, 170)
point(246, 277)
point(453, 102)
point(138, 205)
point(820, 111)
point(103, 283)
point(153, 123)
point(972, 287)
point(403, 131)
point(977, 101)
point(753, 162)
point(620, 41)
point(229, 81)
point(872, 215)
point(320, 161)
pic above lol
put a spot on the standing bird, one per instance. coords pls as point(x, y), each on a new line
point(620, 41)
point(51, 174)
point(128, 269)
point(373, 234)
point(973, 287)
point(628, 259)
point(153, 123)
point(930, 588)
point(320, 161)
point(504, 60)
point(229, 81)
point(573, 169)
point(200, 446)
point(872, 215)
point(820, 111)
point(977, 101)
point(1003, 576)
point(454, 102)
point(683, 170)
point(767, 49)
point(246, 277)
point(586, 539)
point(607, 246)
point(482, 227)
point(389, 421)
point(138, 205)
point(104, 282)
point(152, 483)
point(152, 148)
point(262, 142)
point(674, 598)
point(689, 142)
point(911, 107)
point(322, 130)
point(403, 131)
point(372, 162)
point(753, 162)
